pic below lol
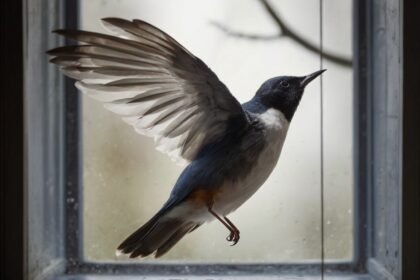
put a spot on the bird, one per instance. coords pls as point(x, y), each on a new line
point(161, 89)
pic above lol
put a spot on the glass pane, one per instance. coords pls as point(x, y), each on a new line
point(126, 180)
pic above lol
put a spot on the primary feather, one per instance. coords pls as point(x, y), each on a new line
point(153, 82)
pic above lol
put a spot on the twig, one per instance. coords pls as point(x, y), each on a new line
point(285, 31)
point(302, 41)
point(232, 33)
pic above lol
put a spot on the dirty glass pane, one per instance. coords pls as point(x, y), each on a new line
point(126, 180)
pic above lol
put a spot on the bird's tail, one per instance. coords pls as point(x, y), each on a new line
point(158, 235)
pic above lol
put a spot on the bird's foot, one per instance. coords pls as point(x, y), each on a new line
point(233, 237)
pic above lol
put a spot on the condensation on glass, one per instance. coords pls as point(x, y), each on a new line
point(126, 180)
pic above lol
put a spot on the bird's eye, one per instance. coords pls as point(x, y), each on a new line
point(284, 84)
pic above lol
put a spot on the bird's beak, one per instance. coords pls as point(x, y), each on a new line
point(307, 79)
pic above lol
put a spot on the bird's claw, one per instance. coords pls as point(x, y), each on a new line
point(233, 237)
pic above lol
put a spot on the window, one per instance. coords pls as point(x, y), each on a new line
point(65, 241)
point(125, 180)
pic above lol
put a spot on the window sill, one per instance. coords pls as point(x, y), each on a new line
point(253, 277)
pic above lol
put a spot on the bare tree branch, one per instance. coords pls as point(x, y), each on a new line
point(232, 33)
point(302, 41)
point(286, 31)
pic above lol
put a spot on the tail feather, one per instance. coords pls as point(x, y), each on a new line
point(131, 242)
point(175, 238)
point(158, 235)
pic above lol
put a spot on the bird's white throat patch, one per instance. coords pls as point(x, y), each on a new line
point(273, 119)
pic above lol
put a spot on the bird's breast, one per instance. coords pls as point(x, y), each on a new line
point(235, 192)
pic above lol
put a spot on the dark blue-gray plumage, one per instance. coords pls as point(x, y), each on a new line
point(165, 92)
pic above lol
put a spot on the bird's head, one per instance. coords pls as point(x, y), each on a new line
point(284, 93)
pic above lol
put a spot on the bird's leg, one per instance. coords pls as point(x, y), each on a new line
point(234, 235)
point(228, 226)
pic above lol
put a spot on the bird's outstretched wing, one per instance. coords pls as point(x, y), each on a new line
point(153, 82)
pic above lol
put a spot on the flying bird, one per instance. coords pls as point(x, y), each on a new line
point(165, 92)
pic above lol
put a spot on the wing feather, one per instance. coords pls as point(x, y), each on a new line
point(153, 82)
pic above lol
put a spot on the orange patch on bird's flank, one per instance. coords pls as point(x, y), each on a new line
point(202, 197)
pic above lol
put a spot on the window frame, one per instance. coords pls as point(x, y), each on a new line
point(53, 108)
